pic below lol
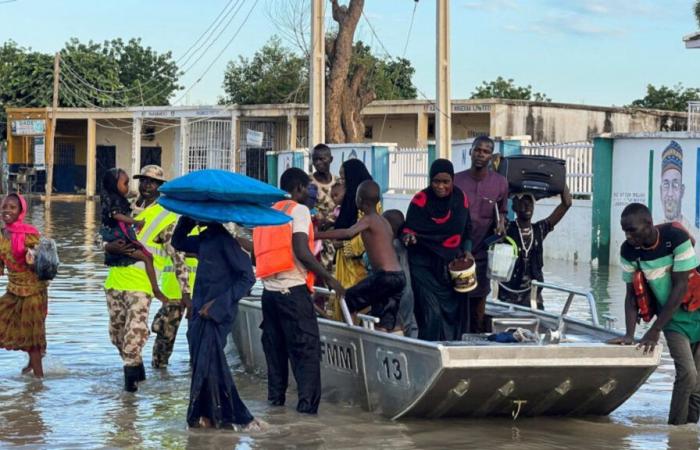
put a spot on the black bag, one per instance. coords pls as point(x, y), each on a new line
point(46, 260)
point(542, 176)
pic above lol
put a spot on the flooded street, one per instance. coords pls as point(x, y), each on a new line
point(80, 403)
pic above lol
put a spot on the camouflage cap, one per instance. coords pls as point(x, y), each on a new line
point(153, 172)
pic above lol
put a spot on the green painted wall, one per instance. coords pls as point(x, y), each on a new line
point(602, 198)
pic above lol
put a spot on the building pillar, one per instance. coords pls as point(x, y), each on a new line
point(422, 130)
point(235, 159)
point(91, 159)
point(184, 147)
point(135, 151)
point(602, 199)
point(291, 131)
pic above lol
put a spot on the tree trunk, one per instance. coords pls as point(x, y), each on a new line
point(337, 88)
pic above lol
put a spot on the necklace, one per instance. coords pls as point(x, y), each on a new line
point(528, 247)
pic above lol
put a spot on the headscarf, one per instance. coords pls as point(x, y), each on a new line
point(439, 224)
point(18, 230)
point(355, 173)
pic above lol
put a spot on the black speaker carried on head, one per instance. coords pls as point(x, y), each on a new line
point(542, 176)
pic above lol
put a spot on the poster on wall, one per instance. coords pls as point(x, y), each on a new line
point(660, 173)
point(343, 152)
point(39, 153)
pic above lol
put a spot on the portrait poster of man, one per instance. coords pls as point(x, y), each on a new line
point(677, 189)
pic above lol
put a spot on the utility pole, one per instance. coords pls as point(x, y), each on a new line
point(52, 139)
point(317, 72)
point(443, 108)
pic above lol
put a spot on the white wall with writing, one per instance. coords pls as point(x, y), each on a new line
point(637, 177)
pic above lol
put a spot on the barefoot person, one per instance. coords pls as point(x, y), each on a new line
point(23, 307)
point(224, 276)
point(383, 288)
point(665, 255)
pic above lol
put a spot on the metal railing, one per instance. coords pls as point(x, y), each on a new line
point(408, 169)
point(693, 116)
point(561, 326)
point(579, 162)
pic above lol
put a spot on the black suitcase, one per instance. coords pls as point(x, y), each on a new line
point(543, 176)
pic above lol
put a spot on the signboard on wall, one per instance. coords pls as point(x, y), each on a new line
point(28, 127)
point(254, 138)
point(661, 173)
point(39, 153)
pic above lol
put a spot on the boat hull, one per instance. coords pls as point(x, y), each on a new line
point(403, 377)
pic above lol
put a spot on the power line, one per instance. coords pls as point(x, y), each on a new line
point(216, 58)
point(374, 32)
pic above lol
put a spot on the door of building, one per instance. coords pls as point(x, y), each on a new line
point(150, 155)
point(106, 159)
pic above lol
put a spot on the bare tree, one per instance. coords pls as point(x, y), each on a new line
point(293, 21)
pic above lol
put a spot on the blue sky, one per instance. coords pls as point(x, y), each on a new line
point(578, 51)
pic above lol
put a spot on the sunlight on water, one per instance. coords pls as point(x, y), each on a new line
point(80, 403)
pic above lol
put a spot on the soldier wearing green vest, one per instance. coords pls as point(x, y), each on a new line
point(129, 292)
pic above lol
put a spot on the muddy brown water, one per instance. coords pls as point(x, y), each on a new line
point(80, 403)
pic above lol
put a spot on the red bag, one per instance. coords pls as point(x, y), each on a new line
point(646, 302)
point(691, 299)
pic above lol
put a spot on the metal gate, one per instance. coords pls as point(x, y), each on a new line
point(209, 146)
point(253, 159)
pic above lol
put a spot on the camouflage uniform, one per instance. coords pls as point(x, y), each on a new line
point(128, 323)
point(324, 207)
point(167, 319)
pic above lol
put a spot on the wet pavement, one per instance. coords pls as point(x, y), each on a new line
point(80, 403)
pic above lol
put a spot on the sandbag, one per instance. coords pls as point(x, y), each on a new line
point(246, 214)
point(46, 260)
point(223, 186)
point(542, 176)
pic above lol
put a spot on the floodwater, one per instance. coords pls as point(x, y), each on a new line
point(80, 403)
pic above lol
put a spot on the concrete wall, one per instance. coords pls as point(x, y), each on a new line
point(465, 126)
point(401, 129)
point(166, 140)
point(571, 123)
point(570, 241)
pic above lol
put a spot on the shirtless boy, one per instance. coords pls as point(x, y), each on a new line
point(382, 289)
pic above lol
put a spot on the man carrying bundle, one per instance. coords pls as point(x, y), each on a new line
point(286, 265)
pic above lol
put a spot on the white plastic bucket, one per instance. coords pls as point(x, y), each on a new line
point(502, 258)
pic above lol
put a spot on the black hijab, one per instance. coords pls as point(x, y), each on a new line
point(439, 224)
point(355, 173)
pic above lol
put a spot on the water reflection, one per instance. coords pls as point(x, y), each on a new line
point(80, 403)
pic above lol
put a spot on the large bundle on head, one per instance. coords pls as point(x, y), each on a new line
point(212, 195)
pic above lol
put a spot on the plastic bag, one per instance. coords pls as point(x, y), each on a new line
point(46, 259)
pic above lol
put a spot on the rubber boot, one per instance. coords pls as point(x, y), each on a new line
point(131, 375)
point(142, 373)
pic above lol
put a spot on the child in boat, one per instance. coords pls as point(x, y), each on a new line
point(382, 289)
point(117, 224)
point(337, 195)
point(396, 220)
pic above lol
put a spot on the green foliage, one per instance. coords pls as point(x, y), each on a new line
point(113, 73)
point(390, 78)
point(502, 88)
point(672, 99)
point(697, 11)
point(275, 74)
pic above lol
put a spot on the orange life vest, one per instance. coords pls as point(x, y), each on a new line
point(273, 248)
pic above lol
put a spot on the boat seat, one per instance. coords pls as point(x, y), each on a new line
point(499, 324)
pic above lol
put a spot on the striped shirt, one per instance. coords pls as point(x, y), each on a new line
point(673, 253)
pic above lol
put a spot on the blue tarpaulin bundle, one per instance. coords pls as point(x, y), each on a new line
point(213, 195)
